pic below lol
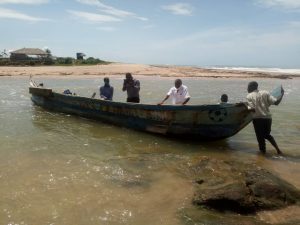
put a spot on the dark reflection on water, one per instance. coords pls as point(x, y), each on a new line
point(61, 169)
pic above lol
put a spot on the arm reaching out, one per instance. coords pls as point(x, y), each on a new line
point(164, 100)
point(279, 100)
point(186, 101)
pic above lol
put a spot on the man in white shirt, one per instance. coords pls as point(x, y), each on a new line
point(179, 94)
point(260, 101)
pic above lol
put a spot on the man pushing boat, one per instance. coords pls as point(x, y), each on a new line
point(260, 101)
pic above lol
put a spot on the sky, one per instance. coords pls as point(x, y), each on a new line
point(248, 33)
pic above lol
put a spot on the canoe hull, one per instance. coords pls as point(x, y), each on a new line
point(206, 122)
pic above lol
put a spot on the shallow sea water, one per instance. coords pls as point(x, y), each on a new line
point(61, 169)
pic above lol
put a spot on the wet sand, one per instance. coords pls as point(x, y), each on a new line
point(138, 69)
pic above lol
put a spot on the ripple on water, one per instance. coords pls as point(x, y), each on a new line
point(62, 169)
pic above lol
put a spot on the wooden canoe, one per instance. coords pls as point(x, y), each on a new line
point(205, 122)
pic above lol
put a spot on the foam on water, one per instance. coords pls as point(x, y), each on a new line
point(259, 69)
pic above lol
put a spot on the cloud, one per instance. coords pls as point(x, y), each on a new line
point(238, 45)
point(111, 10)
point(234, 40)
point(106, 29)
point(294, 24)
point(286, 4)
point(149, 26)
point(93, 17)
point(29, 2)
point(179, 9)
point(12, 14)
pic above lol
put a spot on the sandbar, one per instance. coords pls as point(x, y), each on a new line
point(139, 69)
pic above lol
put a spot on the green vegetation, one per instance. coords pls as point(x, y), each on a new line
point(60, 61)
point(90, 61)
point(38, 57)
point(78, 62)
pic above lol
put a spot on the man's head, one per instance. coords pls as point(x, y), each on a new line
point(129, 76)
point(224, 98)
point(252, 86)
point(106, 80)
point(178, 83)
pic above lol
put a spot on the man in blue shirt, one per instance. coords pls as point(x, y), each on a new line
point(106, 91)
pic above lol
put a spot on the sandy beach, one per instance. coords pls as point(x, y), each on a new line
point(138, 69)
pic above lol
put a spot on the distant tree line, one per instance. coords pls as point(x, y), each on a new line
point(52, 61)
point(72, 61)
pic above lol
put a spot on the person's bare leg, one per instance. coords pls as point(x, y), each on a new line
point(273, 142)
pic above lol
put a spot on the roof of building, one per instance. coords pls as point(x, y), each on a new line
point(30, 51)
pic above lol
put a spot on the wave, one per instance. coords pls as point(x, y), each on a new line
point(257, 69)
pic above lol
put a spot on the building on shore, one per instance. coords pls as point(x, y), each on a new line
point(80, 55)
point(29, 54)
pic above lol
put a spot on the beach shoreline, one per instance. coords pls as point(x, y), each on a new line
point(114, 69)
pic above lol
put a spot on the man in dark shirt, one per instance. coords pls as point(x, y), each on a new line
point(106, 91)
point(224, 99)
point(132, 86)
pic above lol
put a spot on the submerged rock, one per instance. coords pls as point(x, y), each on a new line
point(241, 188)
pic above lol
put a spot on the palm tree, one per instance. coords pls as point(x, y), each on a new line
point(3, 54)
point(47, 50)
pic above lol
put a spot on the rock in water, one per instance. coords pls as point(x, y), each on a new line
point(245, 189)
point(269, 191)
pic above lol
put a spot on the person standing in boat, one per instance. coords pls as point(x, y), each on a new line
point(179, 94)
point(132, 86)
point(224, 99)
point(106, 91)
point(259, 102)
